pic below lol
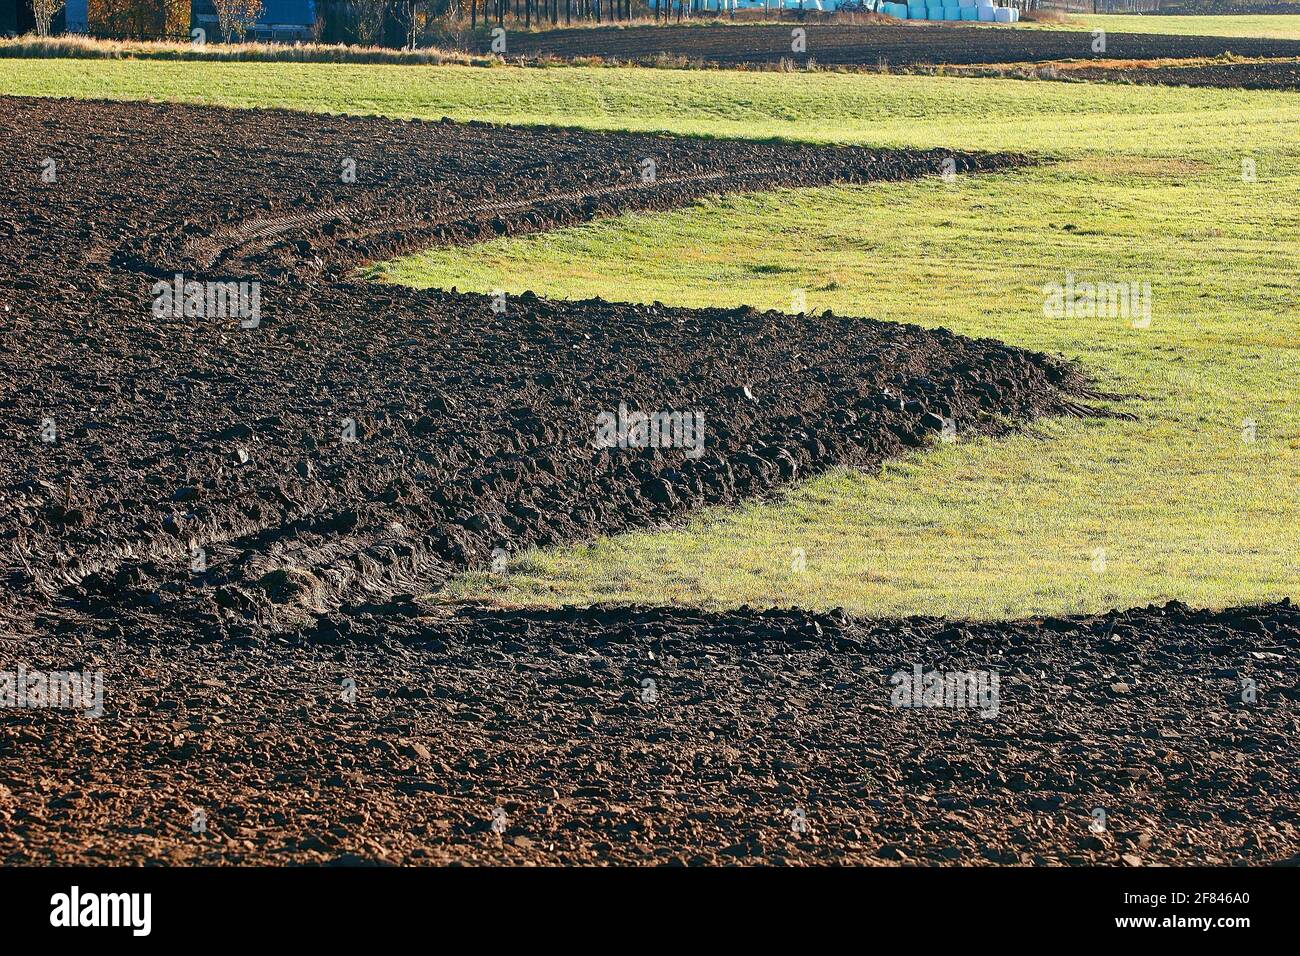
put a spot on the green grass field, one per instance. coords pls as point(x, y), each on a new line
point(1276, 26)
point(1147, 185)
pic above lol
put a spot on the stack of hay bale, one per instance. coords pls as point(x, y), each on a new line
point(977, 10)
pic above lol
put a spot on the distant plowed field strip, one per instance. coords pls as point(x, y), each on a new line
point(842, 45)
point(1276, 75)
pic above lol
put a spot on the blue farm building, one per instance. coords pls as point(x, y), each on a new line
point(280, 20)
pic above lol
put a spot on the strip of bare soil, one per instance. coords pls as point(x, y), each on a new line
point(870, 45)
point(1275, 75)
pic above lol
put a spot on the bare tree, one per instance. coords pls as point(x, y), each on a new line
point(45, 11)
point(370, 16)
point(234, 17)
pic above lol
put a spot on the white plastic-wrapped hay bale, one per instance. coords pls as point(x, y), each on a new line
point(984, 3)
point(986, 13)
point(1002, 14)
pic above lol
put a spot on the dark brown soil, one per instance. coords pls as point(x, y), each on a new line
point(159, 188)
point(599, 735)
point(475, 431)
point(1278, 75)
point(896, 46)
point(758, 724)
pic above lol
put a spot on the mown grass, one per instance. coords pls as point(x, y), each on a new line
point(1274, 26)
point(822, 107)
point(1147, 186)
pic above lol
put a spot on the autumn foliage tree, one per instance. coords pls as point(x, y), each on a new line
point(139, 18)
